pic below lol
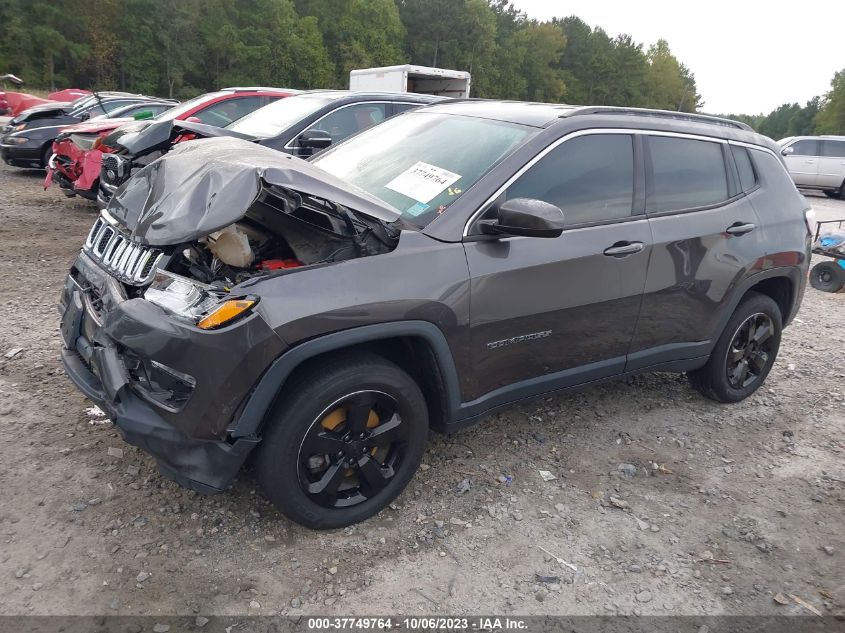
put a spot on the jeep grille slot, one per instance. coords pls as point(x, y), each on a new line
point(131, 263)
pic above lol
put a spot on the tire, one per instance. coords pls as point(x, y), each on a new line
point(827, 277)
point(298, 464)
point(842, 191)
point(45, 155)
point(832, 193)
point(728, 382)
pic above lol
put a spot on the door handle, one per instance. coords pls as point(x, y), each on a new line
point(621, 249)
point(739, 228)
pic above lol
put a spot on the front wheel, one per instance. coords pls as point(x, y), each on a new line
point(827, 277)
point(745, 352)
point(344, 440)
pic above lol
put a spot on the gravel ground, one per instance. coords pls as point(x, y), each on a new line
point(663, 502)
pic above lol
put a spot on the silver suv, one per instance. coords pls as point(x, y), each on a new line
point(816, 162)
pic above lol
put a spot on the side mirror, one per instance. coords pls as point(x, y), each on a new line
point(143, 115)
point(526, 217)
point(314, 139)
point(786, 151)
point(85, 116)
point(193, 119)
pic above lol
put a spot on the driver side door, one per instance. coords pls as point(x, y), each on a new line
point(548, 313)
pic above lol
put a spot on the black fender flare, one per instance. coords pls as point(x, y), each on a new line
point(272, 381)
point(792, 273)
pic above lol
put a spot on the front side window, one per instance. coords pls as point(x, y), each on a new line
point(686, 173)
point(805, 147)
point(590, 178)
point(111, 106)
point(835, 149)
point(346, 121)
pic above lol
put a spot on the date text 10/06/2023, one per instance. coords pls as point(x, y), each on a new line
point(422, 623)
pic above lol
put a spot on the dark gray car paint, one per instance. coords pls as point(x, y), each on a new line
point(208, 184)
point(473, 290)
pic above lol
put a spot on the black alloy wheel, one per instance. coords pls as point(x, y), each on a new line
point(344, 439)
point(352, 450)
point(749, 351)
point(744, 353)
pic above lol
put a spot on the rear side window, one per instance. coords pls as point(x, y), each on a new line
point(686, 173)
point(805, 147)
point(591, 178)
point(747, 177)
point(835, 149)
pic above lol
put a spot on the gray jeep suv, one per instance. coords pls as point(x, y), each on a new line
point(319, 317)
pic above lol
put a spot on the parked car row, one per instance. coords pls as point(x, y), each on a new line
point(27, 139)
point(318, 284)
point(816, 162)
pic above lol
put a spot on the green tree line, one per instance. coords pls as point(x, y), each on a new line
point(821, 115)
point(179, 48)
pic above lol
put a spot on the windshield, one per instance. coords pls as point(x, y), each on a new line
point(420, 163)
point(273, 119)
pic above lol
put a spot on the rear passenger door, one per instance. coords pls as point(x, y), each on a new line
point(802, 161)
point(706, 239)
point(832, 164)
point(562, 310)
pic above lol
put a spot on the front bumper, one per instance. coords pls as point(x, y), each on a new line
point(191, 444)
point(26, 155)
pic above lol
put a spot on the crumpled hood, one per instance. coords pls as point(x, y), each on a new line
point(205, 185)
point(95, 126)
point(142, 138)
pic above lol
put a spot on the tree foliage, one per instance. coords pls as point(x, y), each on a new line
point(820, 115)
point(182, 47)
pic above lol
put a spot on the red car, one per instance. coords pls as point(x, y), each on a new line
point(77, 152)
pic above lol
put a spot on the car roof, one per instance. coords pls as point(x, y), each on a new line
point(522, 112)
point(545, 114)
point(290, 91)
point(359, 95)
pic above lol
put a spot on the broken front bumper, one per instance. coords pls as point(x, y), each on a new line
point(189, 438)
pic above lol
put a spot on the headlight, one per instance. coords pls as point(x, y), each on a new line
point(84, 141)
point(16, 140)
point(205, 306)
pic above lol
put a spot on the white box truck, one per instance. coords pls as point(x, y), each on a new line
point(409, 78)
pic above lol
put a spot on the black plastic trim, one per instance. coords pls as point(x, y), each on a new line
point(265, 392)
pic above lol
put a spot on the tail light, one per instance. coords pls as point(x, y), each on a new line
point(810, 221)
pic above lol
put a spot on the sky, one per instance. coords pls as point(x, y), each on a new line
point(748, 56)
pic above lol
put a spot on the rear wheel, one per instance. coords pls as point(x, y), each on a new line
point(744, 353)
point(827, 277)
point(343, 442)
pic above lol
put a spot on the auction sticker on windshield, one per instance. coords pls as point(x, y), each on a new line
point(422, 181)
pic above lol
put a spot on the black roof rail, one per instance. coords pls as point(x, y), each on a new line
point(665, 114)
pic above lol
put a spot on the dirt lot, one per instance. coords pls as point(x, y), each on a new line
point(722, 507)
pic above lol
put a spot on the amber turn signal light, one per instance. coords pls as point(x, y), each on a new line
point(230, 310)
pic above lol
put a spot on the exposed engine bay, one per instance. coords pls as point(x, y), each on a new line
point(188, 230)
point(282, 230)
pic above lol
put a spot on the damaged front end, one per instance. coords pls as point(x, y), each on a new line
point(161, 324)
point(134, 146)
